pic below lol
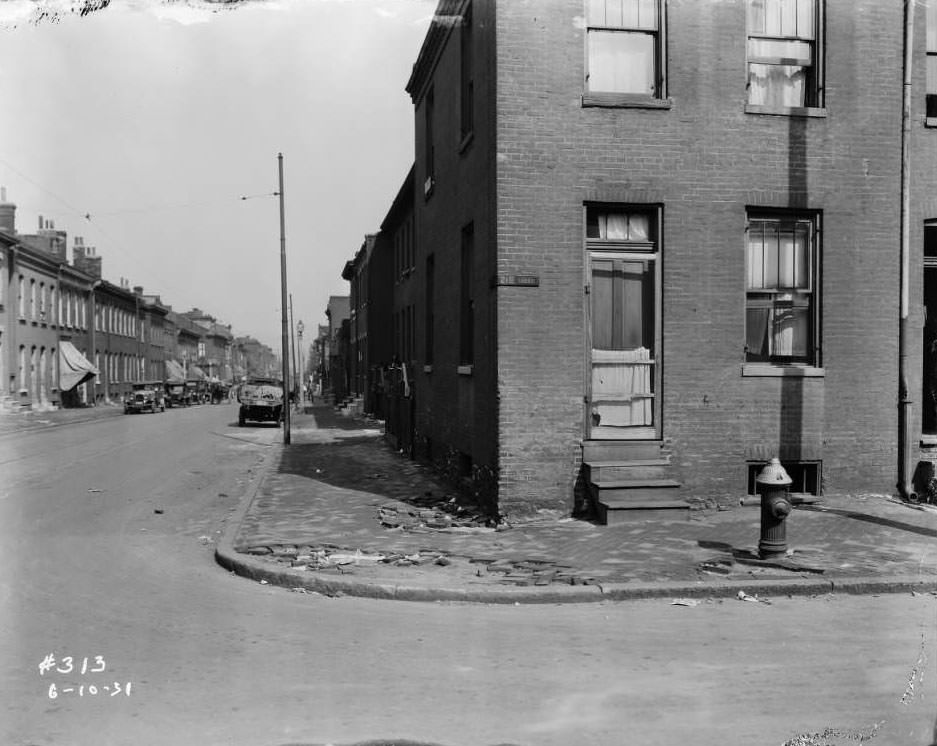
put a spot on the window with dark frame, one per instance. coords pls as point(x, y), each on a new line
point(467, 83)
point(430, 305)
point(429, 151)
point(931, 99)
point(466, 298)
point(784, 54)
point(782, 303)
point(625, 49)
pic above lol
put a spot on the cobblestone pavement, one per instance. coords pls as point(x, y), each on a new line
point(339, 511)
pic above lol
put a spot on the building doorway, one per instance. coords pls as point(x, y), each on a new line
point(929, 378)
point(623, 399)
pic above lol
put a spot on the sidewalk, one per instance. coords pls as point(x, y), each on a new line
point(338, 512)
point(13, 422)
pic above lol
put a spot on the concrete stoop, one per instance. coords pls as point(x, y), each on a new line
point(352, 407)
point(631, 480)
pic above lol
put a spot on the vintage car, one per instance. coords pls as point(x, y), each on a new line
point(261, 400)
point(146, 396)
point(177, 395)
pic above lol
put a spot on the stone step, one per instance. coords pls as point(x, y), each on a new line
point(614, 512)
point(623, 500)
point(620, 450)
point(610, 471)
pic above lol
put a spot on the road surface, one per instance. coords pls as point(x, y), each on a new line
point(106, 554)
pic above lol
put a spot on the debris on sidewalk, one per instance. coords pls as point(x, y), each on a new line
point(743, 596)
point(684, 602)
point(412, 517)
point(841, 735)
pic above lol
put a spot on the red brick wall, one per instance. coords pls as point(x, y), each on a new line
point(704, 160)
point(457, 411)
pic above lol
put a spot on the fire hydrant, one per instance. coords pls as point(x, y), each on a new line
point(773, 485)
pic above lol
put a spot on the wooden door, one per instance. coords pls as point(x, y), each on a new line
point(623, 398)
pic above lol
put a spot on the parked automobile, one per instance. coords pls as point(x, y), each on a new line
point(177, 395)
point(261, 400)
point(146, 396)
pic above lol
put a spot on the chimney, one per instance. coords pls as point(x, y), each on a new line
point(83, 258)
point(7, 213)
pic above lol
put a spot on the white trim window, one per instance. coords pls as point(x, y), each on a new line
point(782, 291)
point(625, 48)
point(784, 54)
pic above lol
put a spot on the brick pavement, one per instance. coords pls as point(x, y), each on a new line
point(340, 511)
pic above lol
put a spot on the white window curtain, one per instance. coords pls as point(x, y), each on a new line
point(621, 226)
point(621, 62)
point(625, 375)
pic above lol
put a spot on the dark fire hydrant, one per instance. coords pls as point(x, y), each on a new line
point(773, 485)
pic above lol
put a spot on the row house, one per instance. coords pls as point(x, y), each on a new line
point(338, 361)
point(214, 351)
point(68, 337)
point(658, 242)
point(318, 359)
point(187, 345)
point(44, 320)
point(252, 358)
point(156, 334)
point(382, 277)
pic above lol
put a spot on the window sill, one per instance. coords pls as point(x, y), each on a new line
point(427, 368)
point(786, 111)
point(767, 370)
point(624, 101)
point(465, 370)
point(466, 142)
point(930, 121)
point(928, 440)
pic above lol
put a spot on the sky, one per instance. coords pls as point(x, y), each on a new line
point(141, 126)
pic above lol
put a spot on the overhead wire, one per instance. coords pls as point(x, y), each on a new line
point(115, 244)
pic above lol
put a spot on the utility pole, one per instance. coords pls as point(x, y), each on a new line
point(285, 343)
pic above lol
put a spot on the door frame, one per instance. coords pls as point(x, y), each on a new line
point(636, 251)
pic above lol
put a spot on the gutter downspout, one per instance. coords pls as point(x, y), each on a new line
point(905, 435)
point(93, 327)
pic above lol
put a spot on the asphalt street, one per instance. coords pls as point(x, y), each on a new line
point(107, 532)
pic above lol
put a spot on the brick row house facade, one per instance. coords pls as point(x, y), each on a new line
point(69, 337)
point(658, 242)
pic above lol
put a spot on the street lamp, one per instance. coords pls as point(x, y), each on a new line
point(302, 371)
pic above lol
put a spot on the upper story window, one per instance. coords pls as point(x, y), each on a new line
point(784, 54)
point(467, 297)
point(782, 296)
point(430, 150)
point(467, 83)
point(625, 61)
point(931, 101)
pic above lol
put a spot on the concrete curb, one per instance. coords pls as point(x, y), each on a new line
point(255, 569)
point(250, 567)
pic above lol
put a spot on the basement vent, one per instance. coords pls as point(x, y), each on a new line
point(805, 476)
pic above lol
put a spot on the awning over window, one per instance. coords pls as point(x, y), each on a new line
point(74, 368)
point(196, 374)
point(174, 372)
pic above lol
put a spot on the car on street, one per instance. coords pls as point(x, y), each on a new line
point(146, 396)
point(261, 400)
